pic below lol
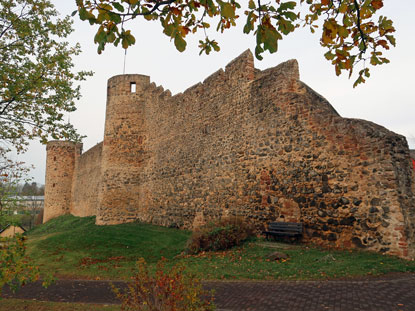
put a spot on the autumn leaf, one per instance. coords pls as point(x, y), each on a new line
point(377, 4)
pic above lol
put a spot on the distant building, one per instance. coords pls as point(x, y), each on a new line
point(11, 230)
point(28, 202)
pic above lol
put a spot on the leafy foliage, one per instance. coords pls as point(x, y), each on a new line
point(36, 73)
point(15, 267)
point(174, 290)
point(220, 235)
point(351, 30)
point(11, 173)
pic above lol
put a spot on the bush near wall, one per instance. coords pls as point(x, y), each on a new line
point(165, 290)
point(220, 235)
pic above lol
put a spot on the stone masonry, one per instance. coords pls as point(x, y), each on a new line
point(257, 144)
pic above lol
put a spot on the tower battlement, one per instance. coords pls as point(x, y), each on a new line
point(127, 84)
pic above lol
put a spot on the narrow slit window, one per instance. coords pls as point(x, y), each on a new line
point(133, 87)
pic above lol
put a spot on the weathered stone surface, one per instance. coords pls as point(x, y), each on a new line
point(245, 142)
point(86, 182)
point(276, 256)
point(60, 166)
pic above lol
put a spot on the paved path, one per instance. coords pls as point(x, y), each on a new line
point(388, 293)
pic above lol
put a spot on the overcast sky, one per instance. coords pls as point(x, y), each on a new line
point(387, 98)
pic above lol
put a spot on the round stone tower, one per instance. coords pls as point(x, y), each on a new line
point(124, 150)
point(60, 164)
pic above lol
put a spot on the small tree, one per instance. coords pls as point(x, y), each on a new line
point(11, 173)
point(36, 90)
point(15, 267)
point(37, 79)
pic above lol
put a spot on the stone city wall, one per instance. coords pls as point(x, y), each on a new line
point(86, 182)
point(257, 144)
point(60, 166)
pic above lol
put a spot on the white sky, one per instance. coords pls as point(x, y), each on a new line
point(386, 98)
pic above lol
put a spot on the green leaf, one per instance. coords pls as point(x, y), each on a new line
point(100, 35)
point(329, 55)
point(111, 37)
point(249, 26)
point(114, 17)
point(227, 10)
point(391, 39)
point(291, 15)
point(118, 6)
point(271, 40)
point(258, 52)
point(287, 6)
point(169, 29)
point(343, 32)
point(105, 7)
point(124, 43)
point(130, 38)
point(180, 43)
point(83, 14)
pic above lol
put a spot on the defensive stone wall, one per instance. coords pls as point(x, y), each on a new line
point(124, 150)
point(86, 182)
point(251, 143)
point(60, 166)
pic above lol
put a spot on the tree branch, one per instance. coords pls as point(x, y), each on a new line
point(154, 8)
point(362, 35)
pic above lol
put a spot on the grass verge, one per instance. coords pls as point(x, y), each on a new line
point(74, 247)
point(30, 305)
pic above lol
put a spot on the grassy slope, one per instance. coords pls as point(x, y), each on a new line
point(76, 247)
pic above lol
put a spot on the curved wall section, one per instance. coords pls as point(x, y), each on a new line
point(60, 165)
point(124, 150)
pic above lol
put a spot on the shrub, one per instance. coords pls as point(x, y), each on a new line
point(15, 267)
point(174, 290)
point(220, 235)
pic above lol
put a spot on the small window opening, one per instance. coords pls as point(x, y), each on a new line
point(54, 158)
point(53, 186)
point(133, 87)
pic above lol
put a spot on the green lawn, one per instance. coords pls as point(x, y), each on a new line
point(75, 247)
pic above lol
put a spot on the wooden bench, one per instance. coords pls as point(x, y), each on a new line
point(284, 229)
